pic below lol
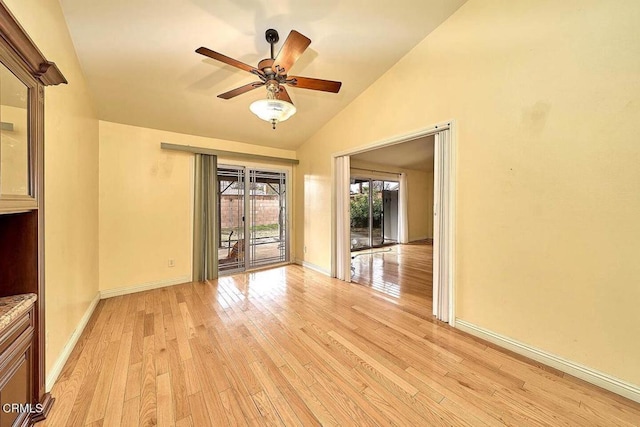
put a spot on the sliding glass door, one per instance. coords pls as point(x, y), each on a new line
point(374, 213)
point(253, 203)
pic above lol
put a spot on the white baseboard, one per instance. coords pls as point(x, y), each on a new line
point(616, 385)
point(109, 293)
point(68, 348)
point(313, 267)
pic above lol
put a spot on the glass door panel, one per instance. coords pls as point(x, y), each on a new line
point(267, 230)
point(14, 136)
point(390, 212)
point(377, 237)
point(359, 210)
point(231, 228)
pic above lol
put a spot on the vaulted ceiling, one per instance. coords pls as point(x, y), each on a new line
point(139, 60)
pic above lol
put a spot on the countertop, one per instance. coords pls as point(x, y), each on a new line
point(14, 306)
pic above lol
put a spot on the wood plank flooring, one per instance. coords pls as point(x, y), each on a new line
point(399, 271)
point(289, 346)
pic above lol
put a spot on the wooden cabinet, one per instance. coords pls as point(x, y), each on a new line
point(24, 73)
point(16, 372)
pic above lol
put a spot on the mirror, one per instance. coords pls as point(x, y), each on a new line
point(14, 135)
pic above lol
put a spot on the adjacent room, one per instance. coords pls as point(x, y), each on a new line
point(319, 213)
point(391, 233)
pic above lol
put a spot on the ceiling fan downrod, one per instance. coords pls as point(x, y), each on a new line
point(272, 38)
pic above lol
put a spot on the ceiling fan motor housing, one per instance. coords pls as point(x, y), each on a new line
point(272, 36)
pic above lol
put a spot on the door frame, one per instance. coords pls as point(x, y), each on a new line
point(449, 158)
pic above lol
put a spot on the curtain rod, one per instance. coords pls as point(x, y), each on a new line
point(222, 153)
point(376, 171)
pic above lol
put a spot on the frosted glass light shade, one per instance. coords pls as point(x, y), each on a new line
point(273, 110)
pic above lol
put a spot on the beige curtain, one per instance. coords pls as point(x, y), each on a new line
point(403, 210)
point(205, 218)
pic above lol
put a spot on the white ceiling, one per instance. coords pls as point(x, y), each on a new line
point(416, 154)
point(139, 60)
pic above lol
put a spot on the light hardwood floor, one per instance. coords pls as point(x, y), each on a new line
point(400, 271)
point(290, 346)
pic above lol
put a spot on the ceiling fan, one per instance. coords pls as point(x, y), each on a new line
point(273, 73)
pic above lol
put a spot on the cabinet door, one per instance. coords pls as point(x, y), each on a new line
point(15, 383)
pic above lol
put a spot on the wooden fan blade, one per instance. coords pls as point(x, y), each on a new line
point(314, 84)
point(230, 61)
point(291, 50)
point(283, 95)
point(240, 90)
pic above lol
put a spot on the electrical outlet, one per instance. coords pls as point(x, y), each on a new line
point(305, 249)
point(172, 263)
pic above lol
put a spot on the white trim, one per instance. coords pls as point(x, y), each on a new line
point(606, 381)
point(109, 293)
point(70, 345)
point(313, 267)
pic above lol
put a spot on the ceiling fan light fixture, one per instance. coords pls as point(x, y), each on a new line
point(273, 110)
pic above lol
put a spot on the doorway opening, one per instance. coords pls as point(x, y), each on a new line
point(421, 264)
point(252, 218)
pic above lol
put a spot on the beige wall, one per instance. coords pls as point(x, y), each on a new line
point(546, 98)
point(420, 200)
point(420, 204)
point(71, 178)
point(146, 203)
